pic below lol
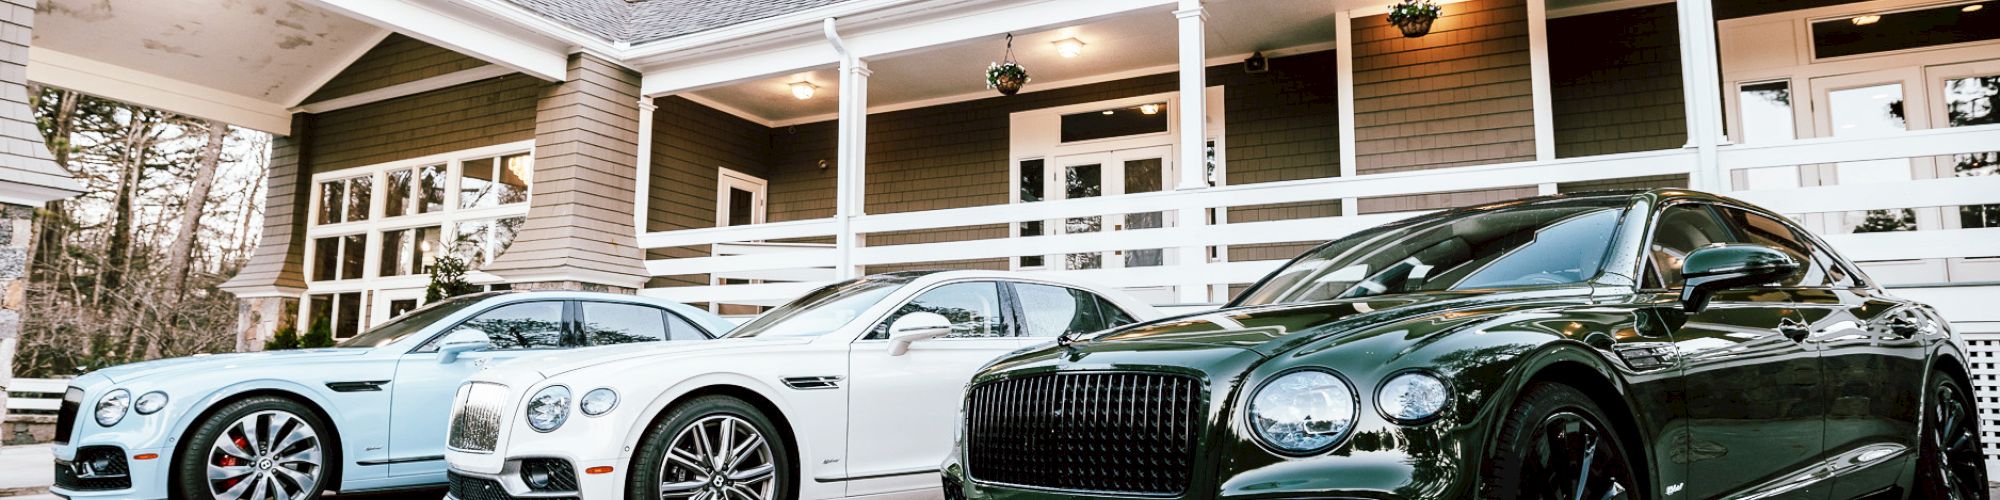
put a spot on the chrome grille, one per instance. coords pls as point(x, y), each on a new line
point(1101, 432)
point(475, 417)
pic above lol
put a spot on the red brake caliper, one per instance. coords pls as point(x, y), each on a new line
point(232, 461)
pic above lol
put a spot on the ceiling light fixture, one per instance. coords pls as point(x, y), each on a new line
point(1866, 20)
point(803, 90)
point(1151, 109)
point(1972, 8)
point(1068, 47)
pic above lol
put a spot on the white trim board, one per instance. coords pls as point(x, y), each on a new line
point(447, 80)
point(99, 78)
point(334, 70)
point(544, 58)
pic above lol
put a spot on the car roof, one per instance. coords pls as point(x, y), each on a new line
point(713, 323)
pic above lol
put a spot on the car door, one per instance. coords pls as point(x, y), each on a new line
point(902, 409)
point(421, 395)
point(1755, 399)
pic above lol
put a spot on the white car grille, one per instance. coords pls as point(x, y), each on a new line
point(475, 417)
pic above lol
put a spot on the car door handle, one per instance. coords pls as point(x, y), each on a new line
point(1794, 329)
point(1903, 326)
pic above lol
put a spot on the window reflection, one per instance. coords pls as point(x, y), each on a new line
point(1968, 102)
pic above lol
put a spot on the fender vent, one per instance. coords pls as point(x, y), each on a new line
point(813, 383)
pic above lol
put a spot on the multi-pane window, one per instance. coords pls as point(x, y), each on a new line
point(1031, 186)
point(1979, 216)
point(411, 191)
point(409, 251)
point(1968, 102)
point(479, 242)
point(341, 311)
point(339, 257)
point(491, 182)
point(344, 200)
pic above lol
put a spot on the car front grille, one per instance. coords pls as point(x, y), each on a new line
point(475, 417)
point(1083, 431)
point(96, 468)
point(72, 402)
point(463, 487)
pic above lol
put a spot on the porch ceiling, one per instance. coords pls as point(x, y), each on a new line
point(1128, 45)
point(233, 60)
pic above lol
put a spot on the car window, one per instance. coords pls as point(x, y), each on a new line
point(414, 321)
point(522, 325)
point(973, 308)
point(678, 328)
point(1113, 316)
point(1762, 230)
point(1682, 229)
point(1051, 311)
point(606, 323)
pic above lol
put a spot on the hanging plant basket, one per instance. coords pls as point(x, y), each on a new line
point(1007, 76)
point(1414, 17)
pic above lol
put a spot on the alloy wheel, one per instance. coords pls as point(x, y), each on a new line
point(1954, 445)
point(1571, 457)
point(265, 455)
point(719, 457)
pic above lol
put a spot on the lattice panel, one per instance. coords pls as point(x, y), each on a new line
point(1983, 340)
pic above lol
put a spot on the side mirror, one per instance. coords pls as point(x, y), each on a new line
point(913, 327)
point(461, 341)
point(1715, 268)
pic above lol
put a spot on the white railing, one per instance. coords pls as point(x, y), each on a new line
point(787, 262)
point(35, 395)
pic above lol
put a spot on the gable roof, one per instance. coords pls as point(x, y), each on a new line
point(641, 21)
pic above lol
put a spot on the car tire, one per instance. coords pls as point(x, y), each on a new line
point(1951, 465)
point(679, 453)
point(1553, 443)
point(257, 443)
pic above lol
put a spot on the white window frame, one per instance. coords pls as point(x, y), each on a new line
point(445, 219)
point(760, 192)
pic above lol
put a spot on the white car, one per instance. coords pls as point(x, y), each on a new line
point(852, 390)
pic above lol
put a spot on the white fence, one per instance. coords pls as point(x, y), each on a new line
point(35, 395)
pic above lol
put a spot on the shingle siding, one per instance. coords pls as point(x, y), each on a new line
point(1458, 96)
point(395, 60)
point(279, 260)
point(472, 115)
point(586, 144)
point(1615, 82)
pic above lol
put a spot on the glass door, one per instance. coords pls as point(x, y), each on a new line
point(1871, 104)
point(1131, 171)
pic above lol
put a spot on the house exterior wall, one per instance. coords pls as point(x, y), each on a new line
point(1459, 96)
point(578, 234)
point(397, 59)
point(1615, 82)
point(1281, 125)
point(483, 113)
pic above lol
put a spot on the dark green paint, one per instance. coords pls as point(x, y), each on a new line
point(1720, 401)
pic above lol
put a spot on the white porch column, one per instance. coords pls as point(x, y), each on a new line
point(642, 182)
point(851, 162)
point(1701, 81)
point(1194, 143)
point(1538, 68)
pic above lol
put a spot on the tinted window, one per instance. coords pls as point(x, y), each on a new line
point(1052, 310)
point(525, 325)
point(1680, 230)
point(1113, 316)
point(406, 324)
point(678, 328)
point(1519, 246)
point(822, 311)
point(972, 307)
point(1770, 232)
point(607, 323)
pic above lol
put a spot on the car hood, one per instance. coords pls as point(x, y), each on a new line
point(232, 361)
point(557, 363)
point(1272, 329)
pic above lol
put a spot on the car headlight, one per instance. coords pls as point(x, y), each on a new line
point(111, 408)
point(1303, 411)
point(150, 403)
point(549, 408)
point(598, 401)
point(1412, 397)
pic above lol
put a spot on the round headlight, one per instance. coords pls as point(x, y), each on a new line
point(1412, 397)
point(1303, 411)
point(150, 403)
point(598, 401)
point(111, 408)
point(549, 408)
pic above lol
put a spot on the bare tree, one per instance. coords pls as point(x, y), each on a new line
point(182, 252)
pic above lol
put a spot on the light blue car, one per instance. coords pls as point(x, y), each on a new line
point(367, 415)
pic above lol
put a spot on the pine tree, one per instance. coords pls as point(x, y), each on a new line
point(447, 279)
point(321, 335)
point(286, 337)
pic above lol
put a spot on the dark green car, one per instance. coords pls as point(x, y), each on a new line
point(1662, 344)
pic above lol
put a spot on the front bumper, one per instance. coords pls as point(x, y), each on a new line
point(509, 483)
point(104, 471)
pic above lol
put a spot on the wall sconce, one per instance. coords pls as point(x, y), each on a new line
point(1866, 20)
point(1151, 109)
point(803, 90)
point(1068, 47)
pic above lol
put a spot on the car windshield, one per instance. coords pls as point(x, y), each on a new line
point(411, 322)
point(1526, 245)
point(822, 311)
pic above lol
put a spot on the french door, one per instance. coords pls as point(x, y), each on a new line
point(1112, 173)
point(1872, 104)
